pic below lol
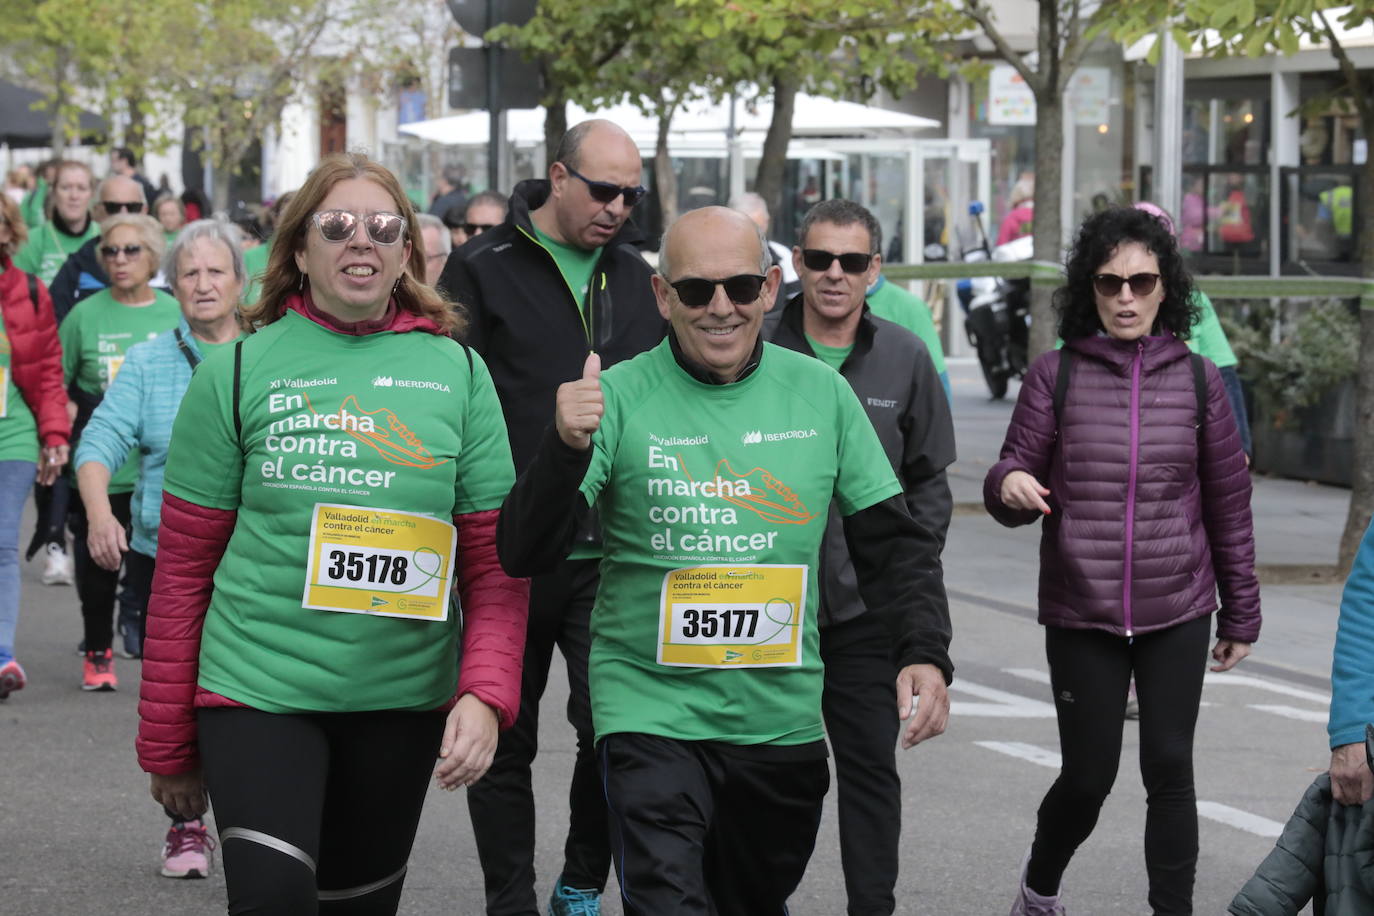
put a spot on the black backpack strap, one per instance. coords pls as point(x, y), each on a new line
point(33, 289)
point(1200, 389)
point(238, 369)
point(1061, 382)
point(186, 351)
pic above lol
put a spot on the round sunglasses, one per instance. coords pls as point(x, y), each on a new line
point(695, 292)
point(1142, 284)
point(340, 226)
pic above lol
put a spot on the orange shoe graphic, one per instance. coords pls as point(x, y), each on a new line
point(390, 437)
point(769, 497)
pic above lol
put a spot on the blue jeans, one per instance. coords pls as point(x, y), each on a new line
point(16, 479)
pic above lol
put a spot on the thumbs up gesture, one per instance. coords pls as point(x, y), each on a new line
point(579, 406)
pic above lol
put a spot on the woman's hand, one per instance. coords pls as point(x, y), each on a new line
point(1022, 491)
point(1227, 653)
point(51, 462)
point(106, 540)
point(182, 793)
point(469, 743)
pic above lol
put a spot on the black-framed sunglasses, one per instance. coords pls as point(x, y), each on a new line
point(340, 225)
point(695, 292)
point(122, 206)
point(112, 251)
point(603, 192)
point(477, 228)
point(851, 262)
point(1142, 284)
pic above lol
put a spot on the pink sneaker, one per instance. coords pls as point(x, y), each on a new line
point(11, 678)
point(97, 671)
point(186, 851)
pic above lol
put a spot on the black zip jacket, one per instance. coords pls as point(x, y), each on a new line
point(896, 560)
point(81, 275)
point(525, 323)
point(891, 371)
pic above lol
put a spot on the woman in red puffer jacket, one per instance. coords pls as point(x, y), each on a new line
point(34, 426)
point(1129, 452)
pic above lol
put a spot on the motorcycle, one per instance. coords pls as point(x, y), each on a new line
point(997, 310)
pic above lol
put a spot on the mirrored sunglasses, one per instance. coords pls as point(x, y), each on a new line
point(851, 262)
point(112, 251)
point(603, 192)
point(340, 225)
point(742, 289)
point(1142, 284)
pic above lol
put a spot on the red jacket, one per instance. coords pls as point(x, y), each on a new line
point(35, 354)
point(191, 542)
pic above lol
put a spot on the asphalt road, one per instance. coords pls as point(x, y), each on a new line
point(79, 834)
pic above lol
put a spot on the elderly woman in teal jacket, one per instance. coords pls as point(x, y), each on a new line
point(205, 267)
point(1352, 673)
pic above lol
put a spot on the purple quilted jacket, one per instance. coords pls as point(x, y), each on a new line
point(1147, 518)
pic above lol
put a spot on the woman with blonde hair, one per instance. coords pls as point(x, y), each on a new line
point(68, 225)
point(330, 479)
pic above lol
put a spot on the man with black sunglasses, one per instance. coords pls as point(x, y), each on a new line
point(892, 372)
point(561, 277)
point(713, 459)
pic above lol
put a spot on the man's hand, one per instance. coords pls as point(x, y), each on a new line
point(181, 793)
point(1227, 653)
point(51, 462)
point(1022, 491)
point(932, 714)
point(469, 743)
point(106, 540)
point(1351, 781)
point(579, 406)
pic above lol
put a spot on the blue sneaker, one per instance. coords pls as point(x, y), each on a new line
point(570, 901)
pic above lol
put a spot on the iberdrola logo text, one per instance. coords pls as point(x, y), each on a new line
point(386, 381)
point(755, 436)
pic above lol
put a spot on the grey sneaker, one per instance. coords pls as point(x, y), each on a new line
point(1029, 903)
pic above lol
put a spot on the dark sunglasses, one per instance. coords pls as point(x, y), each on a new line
point(1142, 284)
point(122, 206)
point(603, 192)
point(340, 225)
point(851, 262)
point(112, 251)
point(477, 228)
point(694, 292)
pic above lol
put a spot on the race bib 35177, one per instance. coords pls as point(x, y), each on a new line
point(732, 616)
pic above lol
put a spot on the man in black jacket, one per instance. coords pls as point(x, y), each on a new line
point(892, 372)
point(562, 277)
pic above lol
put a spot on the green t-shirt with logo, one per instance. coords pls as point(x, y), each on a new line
point(833, 357)
point(713, 502)
point(576, 264)
point(48, 249)
point(407, 423)
point(18, 431)
point(96, 335)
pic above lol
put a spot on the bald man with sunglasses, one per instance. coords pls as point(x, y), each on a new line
point(562, 277)
point(713, 459)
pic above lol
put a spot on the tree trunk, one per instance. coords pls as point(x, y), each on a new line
point(665, 179)
point(59, 133)
point(555, 126)
point(1362, 475)
point(773, 160)
point(1048, 223)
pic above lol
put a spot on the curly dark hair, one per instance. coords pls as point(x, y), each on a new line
point(1098, 238)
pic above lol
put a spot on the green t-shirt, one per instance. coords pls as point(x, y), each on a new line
point(713, 502)
point(833, 357)
point(1207, 337)
point(18, 431)
point(254, 263)
point(48, 249)
point(576, 265)
point(96, 334)
point(894, 303)
point(403, 422)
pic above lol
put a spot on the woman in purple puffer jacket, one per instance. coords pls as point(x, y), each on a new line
point(1141, 482)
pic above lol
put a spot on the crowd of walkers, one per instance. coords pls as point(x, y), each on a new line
point(346, 492)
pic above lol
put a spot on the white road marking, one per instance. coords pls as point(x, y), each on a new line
point(1292, 712)
point(1030, 674)
point(1003, 704)
point(1241, 820)
point(1028, 752)
point(1246, 680)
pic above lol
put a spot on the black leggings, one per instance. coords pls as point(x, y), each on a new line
point(317, 812)
point(97, 586)
point(1089, 674)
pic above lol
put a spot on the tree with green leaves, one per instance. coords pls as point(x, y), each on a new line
point(1253, 28)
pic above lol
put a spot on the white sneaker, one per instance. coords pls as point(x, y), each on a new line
point(57, 570)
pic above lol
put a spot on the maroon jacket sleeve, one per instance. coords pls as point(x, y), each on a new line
point(495, 612)
point(1225, 484)
point(37, 361)
point(191, 542)
point(1030, 441)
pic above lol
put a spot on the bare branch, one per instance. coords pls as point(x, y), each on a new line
point(983, 16)
point(1352, 76)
